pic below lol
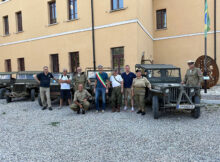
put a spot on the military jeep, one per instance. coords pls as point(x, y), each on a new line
point(24, 86)
point(6, 80)
point(167, 91)
point(55, 88)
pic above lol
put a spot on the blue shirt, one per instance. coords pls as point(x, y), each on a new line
point(44, 79)
point(104, 76)
point(128, 79)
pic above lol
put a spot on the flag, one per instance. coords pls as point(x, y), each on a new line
point(207, 19)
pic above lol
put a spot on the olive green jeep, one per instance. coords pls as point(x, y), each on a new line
point(6, 80)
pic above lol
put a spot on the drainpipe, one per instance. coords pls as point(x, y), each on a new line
point(93, 35)
point(215, 30)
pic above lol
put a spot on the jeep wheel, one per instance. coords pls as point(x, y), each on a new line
point(155, 107)
point(2, 93)
point(39, 100)
point(33, 95)
point(196, 111)
point(8, 99)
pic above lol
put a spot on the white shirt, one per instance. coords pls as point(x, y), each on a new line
point(64, 85)
point(114, 82)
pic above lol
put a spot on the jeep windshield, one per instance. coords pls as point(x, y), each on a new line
point(5, 77)
point(25, 76)
point(163, 75)
point(91, 74)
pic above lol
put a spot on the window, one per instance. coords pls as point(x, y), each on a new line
point(118, 58)
point(55, 63)
point(19, 21)
point(161, 19)
point(8, 65)
point(72, 5)
point(74, 61)
point(117, 4)
point(6, 25)
point(21, 65)
point(52, 12)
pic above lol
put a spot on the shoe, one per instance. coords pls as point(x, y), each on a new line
point(97, 111)
point(132, 109)
point(103, 111)
point(125, 108)
point(139, 112)
point(44, 108)
point(60, 107)
point(83, 112)
point(50, 108)
point(143, 113)
point(78, 111)
point(113, 110)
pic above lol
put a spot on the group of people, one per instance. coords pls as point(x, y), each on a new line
point(129, 86)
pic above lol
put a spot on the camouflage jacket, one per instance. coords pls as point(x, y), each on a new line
point(193, 77)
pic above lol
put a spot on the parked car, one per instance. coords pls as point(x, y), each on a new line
point(6, 80)
point(55, 88)
point(24, 86)
point(168, 92)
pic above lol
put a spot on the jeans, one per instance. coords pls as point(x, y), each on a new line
point(100, 91)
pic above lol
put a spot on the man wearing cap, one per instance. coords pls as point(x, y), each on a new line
point(101, 88)
point(80, 78)
point(116, 95)
point(80, 101)
point(193, 75)
point(65, 81)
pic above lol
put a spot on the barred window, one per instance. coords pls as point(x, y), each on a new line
point(52, 12)
point(6, 25)
point(72, 5)
point(161, 19)
point(19, 21)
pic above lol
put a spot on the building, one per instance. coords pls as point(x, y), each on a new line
point(58, 33)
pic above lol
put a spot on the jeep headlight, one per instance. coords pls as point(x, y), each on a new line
point(167, 91)
point(192, 90)
point(11, 86)
point(157, 88)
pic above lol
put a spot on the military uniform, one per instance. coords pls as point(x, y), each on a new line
point(193, 77)
point(79, 79)
point(139, 85)
point(80, 97)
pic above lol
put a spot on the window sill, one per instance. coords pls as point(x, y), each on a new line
point(52, 24)
point(72, 20)
point(7, 35)
point(19, 32)
point(161, 29)
point(119, 9)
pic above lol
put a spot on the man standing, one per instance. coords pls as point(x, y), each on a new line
point(65, 81)
point(44, 80)
point(101, 87)
point(128, 79)
point(80, 78)
point(81, 103)
point(116, 96)
point(193, 75)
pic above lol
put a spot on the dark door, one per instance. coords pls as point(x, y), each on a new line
point(74, 61)
point(55, 63)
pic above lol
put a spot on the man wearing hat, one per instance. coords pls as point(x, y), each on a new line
point(193, 75)
point(101, 88)
point(80, 78)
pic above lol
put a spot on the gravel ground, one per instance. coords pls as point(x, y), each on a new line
point(29, 134)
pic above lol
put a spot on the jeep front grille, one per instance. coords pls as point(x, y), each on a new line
point(55, 89)
point(174, 94)
point(19, 88)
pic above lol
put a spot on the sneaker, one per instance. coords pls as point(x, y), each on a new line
point(103, 111)
point(44, 108)
point(97, 111)
point(50, 108)
point(125, 108)
point(83, 112)
point(132, 109)
point(143, 113)
point(139, 112)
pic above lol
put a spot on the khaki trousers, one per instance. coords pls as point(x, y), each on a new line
point(45, 96)
point(85, 105)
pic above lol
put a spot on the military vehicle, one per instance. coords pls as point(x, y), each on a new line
point(167, 91)
point(6, 80)
point(24, 86)
point(55, 88)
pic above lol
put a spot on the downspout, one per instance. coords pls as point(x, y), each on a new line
point(93, 35)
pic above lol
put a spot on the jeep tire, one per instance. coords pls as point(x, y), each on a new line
point(2, 93)
point(196, 111)
point(155, 106)
point(32, 94)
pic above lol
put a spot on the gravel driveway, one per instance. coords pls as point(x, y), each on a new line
point(29, 134)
